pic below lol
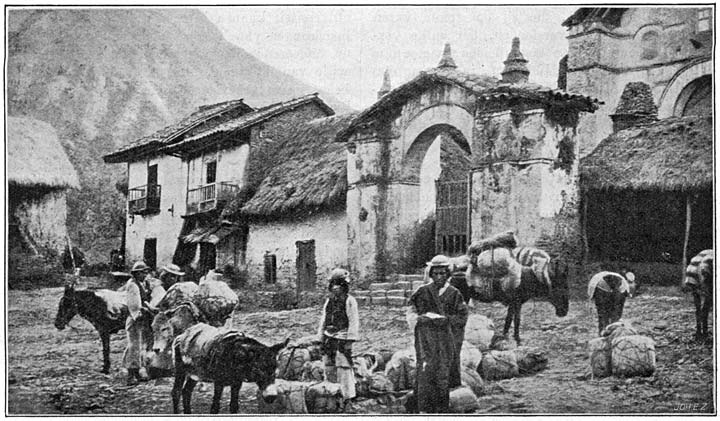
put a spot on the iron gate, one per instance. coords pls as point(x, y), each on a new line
point(451, 217)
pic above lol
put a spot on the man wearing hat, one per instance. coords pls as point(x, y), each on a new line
point(438, 315)
point(339, 328)
point(142, 292)
point(170, 275)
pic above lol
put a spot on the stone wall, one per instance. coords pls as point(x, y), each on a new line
point(651, 45)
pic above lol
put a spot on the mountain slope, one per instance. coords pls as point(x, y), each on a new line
point(104, 77)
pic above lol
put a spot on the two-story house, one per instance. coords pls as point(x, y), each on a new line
point(182, 176)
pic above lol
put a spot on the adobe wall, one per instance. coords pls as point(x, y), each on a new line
point(43, 220)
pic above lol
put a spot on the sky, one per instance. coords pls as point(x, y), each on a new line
point(345, 50)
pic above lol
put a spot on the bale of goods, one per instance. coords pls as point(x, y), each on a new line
point(472, 379)
point(216, 300)
point(463, 400)
point(504, 239)
point(633, 356)
point(324, 398)
point(470, 356)
point(479, 331)
point(498, 365)
point(530, 360)
point(600, 357)
point(311, 343)
point(291, 363)
point(401, 369)
point(176, 294)
point(372, 386)
point(313, 371)
point(374, 361)
point(289, 398)
point(618, 330)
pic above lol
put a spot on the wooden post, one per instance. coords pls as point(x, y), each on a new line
point(688, 218)
point(583, 228)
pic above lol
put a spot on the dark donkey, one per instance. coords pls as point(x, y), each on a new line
point(517, 276)
point(105, 309)
point(225, 357)
point(699, 279)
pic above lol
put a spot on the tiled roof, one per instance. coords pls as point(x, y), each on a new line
point(252, 118)
point(171, 132)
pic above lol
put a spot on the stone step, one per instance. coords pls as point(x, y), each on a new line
point(383, 297)
point(410, 278)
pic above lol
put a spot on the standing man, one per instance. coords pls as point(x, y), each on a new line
point(141, 290)
point(438, 315)
point(339, 328)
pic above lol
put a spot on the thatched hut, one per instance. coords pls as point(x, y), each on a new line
point(38, 174)
point(648, 192)
point(297, 211)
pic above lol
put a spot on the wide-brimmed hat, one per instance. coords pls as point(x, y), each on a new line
point(339, 273)
point(439, 261)
point(139, 266)
point(174, 269)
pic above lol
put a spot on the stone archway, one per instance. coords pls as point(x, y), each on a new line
point(695, 98)
point(672, 93)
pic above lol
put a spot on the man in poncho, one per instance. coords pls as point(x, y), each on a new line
point(438, 315)
point(339, 327)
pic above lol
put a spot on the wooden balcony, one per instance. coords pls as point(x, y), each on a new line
point(144, 200)
point(210, 197)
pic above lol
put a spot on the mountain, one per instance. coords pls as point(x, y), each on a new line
point(103, 77)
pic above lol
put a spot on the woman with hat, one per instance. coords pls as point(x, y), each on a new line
point(142, 291)
point(438, 315)
point(339, 328)
point(170, 275)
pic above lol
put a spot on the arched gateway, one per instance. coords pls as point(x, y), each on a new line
point(522, 146)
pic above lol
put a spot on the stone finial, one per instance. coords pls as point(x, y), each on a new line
point(386, 87)
point(636, 106)
point(447, 61)
point(515, 70)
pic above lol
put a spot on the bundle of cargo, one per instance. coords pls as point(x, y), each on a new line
point(289, 398)
point(471, 378)
point(313, 371)
point(620, 351)
point(498, 365)
point(494, 269)
point(291, 363)
point(470, 356)
point(463, 400)
point(178, 293)
point(215, 299)
point(480, 331)
point(401, 369)
point(324, 398)
point(373, 386)
point(502, 240)
point(530, 360)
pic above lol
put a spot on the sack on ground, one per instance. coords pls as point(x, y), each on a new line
point(530, 360)
point(463, 400)
point(313, 371)
point(479, 331)
point(472, 379)
point(324, 398)
point(600, 363)
point(290, 398)
point(497, 365)
point(633, 356)
point(373, 386)
point(401, 370)
point(470, 356)
point(618, 330)
point(291, 363)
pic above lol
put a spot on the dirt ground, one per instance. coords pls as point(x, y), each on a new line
point(58, 372)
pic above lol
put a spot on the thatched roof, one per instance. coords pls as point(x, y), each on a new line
point(607, 15)
point(636, 98)
point(311, 174)
point(35, 155)
point(174, 131)
point(487, 88)
point(250, 119)
point(670, 154)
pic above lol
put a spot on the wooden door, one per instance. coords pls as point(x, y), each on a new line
point(305, 265)
point(451, 217)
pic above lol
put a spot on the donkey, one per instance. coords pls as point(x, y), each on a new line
point(105, 309)
point(508, 281)
point(166, 326)
point(699, 279)
point(225, 357)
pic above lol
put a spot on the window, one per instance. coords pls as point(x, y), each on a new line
point(649, 43)
point(210, 172)
point(704, 20)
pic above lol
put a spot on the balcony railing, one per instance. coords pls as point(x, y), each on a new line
point(145, 199)
point(210, 196)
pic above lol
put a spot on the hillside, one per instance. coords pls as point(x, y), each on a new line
point(104, 77)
